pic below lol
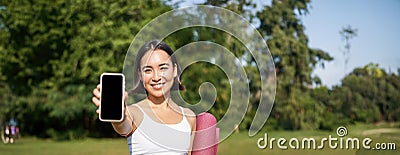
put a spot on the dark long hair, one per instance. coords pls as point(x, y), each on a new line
point(151, 46)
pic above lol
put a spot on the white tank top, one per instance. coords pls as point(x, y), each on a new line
point(151, 137)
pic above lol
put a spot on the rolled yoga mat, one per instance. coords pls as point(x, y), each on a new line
point(207, 135)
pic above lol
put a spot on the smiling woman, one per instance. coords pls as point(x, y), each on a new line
point(163, 57)
point(156, 124)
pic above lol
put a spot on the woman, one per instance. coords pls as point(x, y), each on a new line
point(156, 124)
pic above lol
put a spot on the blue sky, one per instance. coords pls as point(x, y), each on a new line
point(378, 25)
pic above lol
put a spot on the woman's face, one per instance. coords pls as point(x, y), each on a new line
point(157, 73)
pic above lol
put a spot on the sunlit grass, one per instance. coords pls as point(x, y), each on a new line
point(235, 144)
point(34, 146)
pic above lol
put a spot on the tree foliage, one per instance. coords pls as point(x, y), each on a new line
point(294, 60)
point(373, 94)
point(52, 54)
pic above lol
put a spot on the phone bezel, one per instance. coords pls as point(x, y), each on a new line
point(122, 97)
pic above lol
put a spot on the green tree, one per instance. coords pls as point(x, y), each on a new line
point(294, 59)
point(347, 33)
point(370, 94)
point(52, 54)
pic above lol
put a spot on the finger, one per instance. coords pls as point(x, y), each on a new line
point(125, 96)
point(98, 111)
point(96, 101)
point(96, 92)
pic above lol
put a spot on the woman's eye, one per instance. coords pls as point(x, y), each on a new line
point(164, 68)
point(147, 70)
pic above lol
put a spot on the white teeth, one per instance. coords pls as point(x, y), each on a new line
point(157, 86)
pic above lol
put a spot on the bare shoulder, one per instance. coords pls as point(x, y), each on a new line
point(191, 117)
point(134, 107)
point(135, 113)
point(189, 113)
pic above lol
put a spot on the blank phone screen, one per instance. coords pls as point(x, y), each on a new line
point(112, 91)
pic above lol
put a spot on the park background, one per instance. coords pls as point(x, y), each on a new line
point(52, 54)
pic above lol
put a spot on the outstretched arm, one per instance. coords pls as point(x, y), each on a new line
point(124, 128)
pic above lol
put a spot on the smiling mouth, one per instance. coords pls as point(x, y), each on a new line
point(157, 85)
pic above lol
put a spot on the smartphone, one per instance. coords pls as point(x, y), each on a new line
point(112, 97)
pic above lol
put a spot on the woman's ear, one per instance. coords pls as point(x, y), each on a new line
point(175, 70)
point(139, 74)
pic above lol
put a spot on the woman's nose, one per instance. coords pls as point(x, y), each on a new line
point(157, 76)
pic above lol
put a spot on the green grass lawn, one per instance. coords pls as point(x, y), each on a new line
point(34, 146)
point(235, 144)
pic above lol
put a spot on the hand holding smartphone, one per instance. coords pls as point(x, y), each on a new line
point(112, 97)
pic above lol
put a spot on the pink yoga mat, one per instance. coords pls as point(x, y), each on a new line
point(207, 135)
